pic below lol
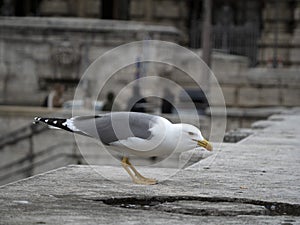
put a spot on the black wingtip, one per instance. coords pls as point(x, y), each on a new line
point(36, 120)
point(41, 119)
point(60, 123)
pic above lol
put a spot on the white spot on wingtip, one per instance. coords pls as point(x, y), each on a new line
point(22, 202)
point(46, 121)
point(55, 122)
point(69, 123)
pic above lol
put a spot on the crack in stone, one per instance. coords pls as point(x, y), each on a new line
point(182, 205)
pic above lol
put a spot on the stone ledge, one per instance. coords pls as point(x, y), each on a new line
point(77, 24)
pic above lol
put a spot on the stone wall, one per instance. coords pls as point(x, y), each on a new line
point(35, 52)
point(262, 87)
point(247, 87)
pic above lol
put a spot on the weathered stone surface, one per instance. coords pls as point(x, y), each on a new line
point(290, 96)
point(263, 87)
point(248, 96)
point(283, 132)
point(261, 124)
point(216, 99)
point(229, 95)
point(237, 135)
point(269, 97)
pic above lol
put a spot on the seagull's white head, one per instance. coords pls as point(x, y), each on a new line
point(192, 136)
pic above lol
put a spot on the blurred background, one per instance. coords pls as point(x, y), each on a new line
point(252, 46)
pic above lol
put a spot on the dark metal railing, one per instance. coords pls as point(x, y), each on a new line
point(231, 39)
point(20, 134)
point(35, 160)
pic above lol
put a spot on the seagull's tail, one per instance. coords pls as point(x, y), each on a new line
point(55, 123)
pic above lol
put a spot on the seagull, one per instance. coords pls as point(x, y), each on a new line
point(133, 133)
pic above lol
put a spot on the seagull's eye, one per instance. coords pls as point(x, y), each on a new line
point(190, 133)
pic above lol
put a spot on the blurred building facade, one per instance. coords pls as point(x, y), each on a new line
point(47, 41)
point(268, 31)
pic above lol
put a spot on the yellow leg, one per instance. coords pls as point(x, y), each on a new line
point(134, 174)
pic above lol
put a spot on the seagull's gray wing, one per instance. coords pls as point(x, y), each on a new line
point(116, 126)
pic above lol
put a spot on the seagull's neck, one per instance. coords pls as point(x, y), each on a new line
point(176, 130)
point(179, 138)
point(177, 127)
point(171, 132)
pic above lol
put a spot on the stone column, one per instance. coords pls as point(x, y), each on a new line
point(271, 19)
point(295, 41)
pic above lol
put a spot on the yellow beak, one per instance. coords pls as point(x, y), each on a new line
point(205, 144)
